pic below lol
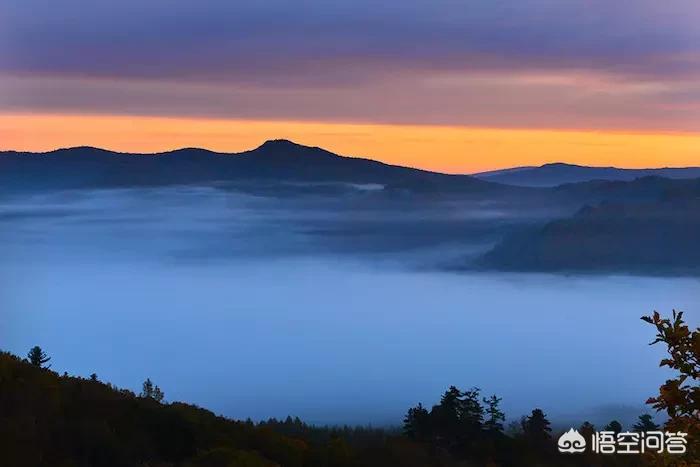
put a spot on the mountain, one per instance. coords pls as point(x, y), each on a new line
point(550, 175)
point(50, 420)
point(281, 167)
point(650, 188)
point(276, 160)
point(648, 237)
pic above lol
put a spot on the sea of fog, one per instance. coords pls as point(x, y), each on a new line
point(336, 309)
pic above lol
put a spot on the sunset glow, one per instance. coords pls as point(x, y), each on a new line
point(442, 148)
point(428, 84)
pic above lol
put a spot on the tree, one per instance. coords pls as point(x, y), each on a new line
point(516, 427)
point(679, 397)
point(338, 452)
point(458, 417)
point(38, 357)
point(646, 423)
point(158, 395)
point(450, 401)
point(587, 430)
point(93, 377)
point(495, 416)
point(471, 412)
point(536, 426)
point(151, 391)
point(416, 424)
point(614, 426)
point(445, 417)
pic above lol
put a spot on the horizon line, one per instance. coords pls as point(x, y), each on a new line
point(199, 148)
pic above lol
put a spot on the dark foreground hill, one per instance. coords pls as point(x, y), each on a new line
point(550, 175)
point(47, 420)
point(276, 160)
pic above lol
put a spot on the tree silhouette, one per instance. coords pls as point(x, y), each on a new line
point(679, 397)
point(445, 417)
point(158, 395)
point(646, 423)
point(450, 401)
point(495, 416)
point(151, 391)
point(587, 430)
point(416, 424)
point(536, 426)
point(38, 357)
point(471, 412)
point(614, 426)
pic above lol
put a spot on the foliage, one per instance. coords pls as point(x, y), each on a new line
point(151, 391)
point(416, 423)
point(496, 417)
point(645, 423)
point(679, 397)
point(614, 426)
point(38, 357)
point(51, 420)
point(536, 427)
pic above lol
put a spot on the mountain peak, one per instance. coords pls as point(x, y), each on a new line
point(283, 149)
point(280, 144)
point(562, 165)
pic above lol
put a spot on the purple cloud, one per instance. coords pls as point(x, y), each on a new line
point(538, 63)
point(334, 43)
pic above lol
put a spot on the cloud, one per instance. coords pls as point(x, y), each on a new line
point(535, 63)
point(532, 101)
point(331, 42)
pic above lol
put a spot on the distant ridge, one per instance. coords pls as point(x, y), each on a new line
point(274, 160)
point(281, 160)
point(559, 173)
point(648, 236)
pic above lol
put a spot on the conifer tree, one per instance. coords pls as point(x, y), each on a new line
point(494, 415)
point(38, 357)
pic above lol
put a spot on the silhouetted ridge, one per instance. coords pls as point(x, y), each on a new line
point(274, 160)
point(656, 236)
point(564, 165)
point(559, 173)
point(280, 145)
point(283, 148)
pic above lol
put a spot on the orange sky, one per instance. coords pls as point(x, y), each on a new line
point(443, 148)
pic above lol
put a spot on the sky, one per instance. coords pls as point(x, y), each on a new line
point(456, 86)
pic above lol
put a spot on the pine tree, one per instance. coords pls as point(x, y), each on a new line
point(536, 426)
point(495, 416)
point(450, 400)
point(147, 389)
point(587, 430)
point(151, 391)
point(614, 426)
point(471, 412)
point(445, 417)
point(38, 357)
point(158, 395)
point(416, 423)
point(646, 423)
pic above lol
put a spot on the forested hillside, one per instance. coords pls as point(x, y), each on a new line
point(51, 420)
